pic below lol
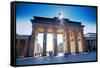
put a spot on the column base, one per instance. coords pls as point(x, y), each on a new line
point(55, 54)
point(69, 52)
point(73, 53)
point(65, 54)
point(44, 55)
point(77, 52)
point(21, 57)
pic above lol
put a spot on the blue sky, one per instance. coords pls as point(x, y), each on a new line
point(25, 12)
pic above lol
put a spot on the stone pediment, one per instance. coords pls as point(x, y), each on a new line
point(54, 21)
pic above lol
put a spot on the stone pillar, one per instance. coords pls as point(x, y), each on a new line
point(64, 42)
point(44, 41)
point(35, 44)
point(82, 42)
point(72, 43)
point(68, 41)
point(55, 42)
point(66, 45)
point(32, 42)
point(76, 43)
point(22, 48)
point(91, 45)
point(18, 48)
point(26, 47)
point(94, 45)
point(86, 45)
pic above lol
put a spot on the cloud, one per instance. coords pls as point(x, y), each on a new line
point(23, 27)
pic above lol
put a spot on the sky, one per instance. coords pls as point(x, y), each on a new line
point(26, 11)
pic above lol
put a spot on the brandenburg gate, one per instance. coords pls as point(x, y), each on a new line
point(72, 32)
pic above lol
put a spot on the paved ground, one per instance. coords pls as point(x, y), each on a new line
point(57, 59)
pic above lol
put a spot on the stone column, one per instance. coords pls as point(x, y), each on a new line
point(22, 48)
point(32, 42)
point(72, 42)
point(86, 45)
point(76, 43)
point(66, 45)
point(68, 41)
point(55, 41)
point(26, 47)
point(64, 42)
point(83, 42)
point(44, 41)
point(35, 44)
point(91, 45)
point(18, 48)
point(94, 45)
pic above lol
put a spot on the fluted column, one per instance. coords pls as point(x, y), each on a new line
point(66, 43)
point(22, 48)
point(90, 45)
point(32, 42)
point(82, 42)
point(44, 41)
point(86, 44)
point(72, 44)
point(76, 42)
point(26, 46)
point(55, 41)
point(18, 48)
point(35, 44)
